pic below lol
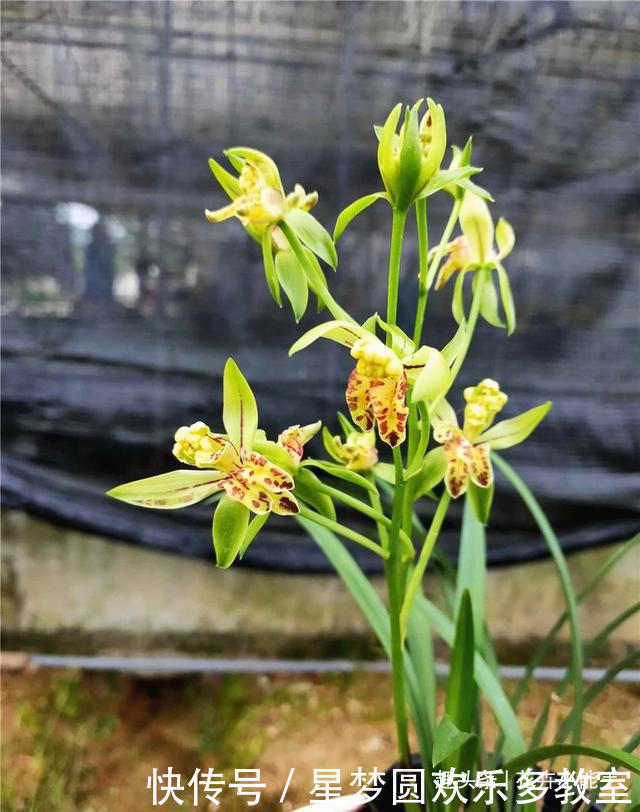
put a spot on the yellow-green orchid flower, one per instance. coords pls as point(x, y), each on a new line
point(244, 475)
point(463, 459)
point(257, 195)
point(237, 463)
point(357, 452)
point(377, 387)
point(475, 250)
point(289, 235)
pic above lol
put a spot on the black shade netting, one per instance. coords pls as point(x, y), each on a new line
point(121, 303)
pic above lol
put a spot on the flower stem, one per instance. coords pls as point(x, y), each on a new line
point(377, 515)
point(376, 504)
point(395, 256)
point(446, 235)
point(321, 290)
point(423, 560)
point(423, 267)
point(394, 576)
point(471, 323)
point(341, 530)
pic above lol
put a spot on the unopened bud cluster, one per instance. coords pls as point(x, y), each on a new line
point(484, 401)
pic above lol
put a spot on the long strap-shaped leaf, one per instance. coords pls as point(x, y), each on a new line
point(544, 646)
point(589, 650)
point(487, 681)
point(618, 757)
point(375, 611)
point(577, 658)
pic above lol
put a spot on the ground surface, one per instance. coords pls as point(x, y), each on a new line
point(87, 742)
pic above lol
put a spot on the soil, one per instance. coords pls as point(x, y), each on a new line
point(79, 741)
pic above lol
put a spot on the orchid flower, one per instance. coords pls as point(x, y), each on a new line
point(377, 387)
point(291, 238)
point(253, 474)
point(475, 250)
point(463, 459)
point(357, 452)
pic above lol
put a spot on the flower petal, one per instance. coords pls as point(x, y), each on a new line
point(387, 397)
point(226, 212)
point(265, 474)
point(481, 469)
point(295, 437)
point(342, 332)
point(284, 504)
point(357, 395)
point(459, 453)
point(167, 491)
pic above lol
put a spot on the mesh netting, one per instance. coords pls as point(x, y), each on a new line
point(121, 302)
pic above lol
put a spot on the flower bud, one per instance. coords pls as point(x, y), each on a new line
point(408, 160)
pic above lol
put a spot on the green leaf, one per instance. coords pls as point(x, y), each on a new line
point(510, 432)
point(357, 583)
point(294, 281)
point(577, 654)
point(480, 500)
point(488, 683)
point(175, 489)
point(385, 471)
point(431, 473)
point(307, 487)
point(239, 411)
point(340, 472)
point(342, 332)
point(255, 526)
point(472, 568)
point(460, 700)
point(313, 235)
point(421, 655)
point(353, 210)
point(448, 740)
point(507, 298)
point(433, 379)
point(269, 267)
point(540, 754)
point(229, 182)
point(545, 645)
point(230, 522)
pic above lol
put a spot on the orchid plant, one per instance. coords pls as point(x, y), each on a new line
point(397, 397)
